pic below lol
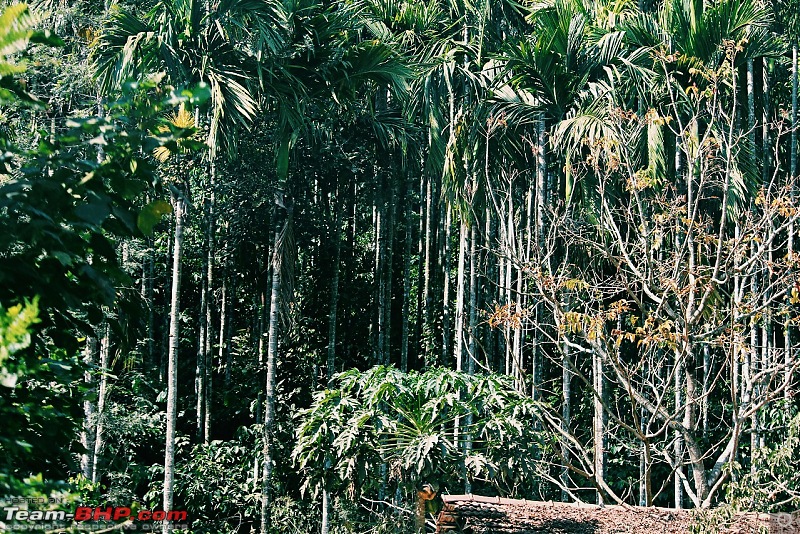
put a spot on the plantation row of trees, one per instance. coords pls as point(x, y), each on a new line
point(298, 265)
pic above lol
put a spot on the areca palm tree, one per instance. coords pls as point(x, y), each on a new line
point(571, 52)
point(191, 43)
point(333, 57)
point(451, 43)
point(455, 42)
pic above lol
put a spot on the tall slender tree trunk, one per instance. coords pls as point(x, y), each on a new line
point(380, 268)
point(200, 367)
point(445, 256)
point(223, 350)
point(788, 353)
point(516, 343)
point(147, 299)
point(326, 510)
point(706, 388)
point(172, 363)
point(541, 202)
point(163, 358)
point(751, 107)
point(202, 358)
point(260, 344)
point(472, 332)
point(767, 328)
point(261, 329)
point(430, 235)
point(208, 349)
point(89, 412)
point(406, 331)
point(262, 311)
point(754, 329)
point(511, 362)
point(541, 186)
point(232, 299)
point(737, 382)
point(566, 409)
point(458, 338)
point(795, 122)
point(99, 439)
point(599, 426)
point(739, 351)
point(336, 238)
point(678, 447)
point(766, 123)
point(645, 491)
point(458, 341)
point(388, 271)
point(752, 370)
point(421, 261)
point(269, 404)
point(678, 370)
point(486, 298)
point(526, 249)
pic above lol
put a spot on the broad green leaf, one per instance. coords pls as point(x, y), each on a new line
point(151, 215)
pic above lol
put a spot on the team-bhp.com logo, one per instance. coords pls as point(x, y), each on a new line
point(86, 513)
point(118, 513)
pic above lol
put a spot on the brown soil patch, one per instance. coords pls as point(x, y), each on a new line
point(472, 514)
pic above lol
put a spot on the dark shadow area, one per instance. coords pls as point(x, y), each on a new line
point(530, 526)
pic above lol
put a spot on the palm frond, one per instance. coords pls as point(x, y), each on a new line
point(390, 127)
point(376, 62)
point(261, 21)
point(126, 47)
point(518, 107)
point(588, 125)
point(17, 30)
point(643, 30)
point(656, 152)
point(232, 103)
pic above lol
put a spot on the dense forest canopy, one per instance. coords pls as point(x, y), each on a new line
point(296, 266)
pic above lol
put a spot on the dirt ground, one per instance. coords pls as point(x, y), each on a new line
point(488, 515)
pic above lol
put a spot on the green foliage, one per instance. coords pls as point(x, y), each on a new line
point(350, 104)
point(39, 421)
point(73, 196)
point(216, 482)
point(711, 521)
point(772, 484)
point(17, 30)
point(65, 201)
point(89, 493)
point(407, 421)
point(34, 421)
point(133, 428)
point(293, 517)
point(40, 495)
point(151, 215)
point(15, 325)
point(193, 47)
